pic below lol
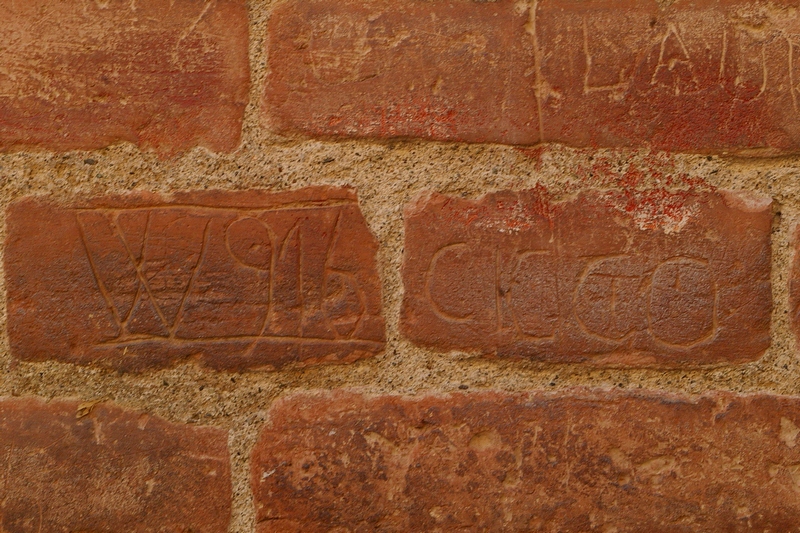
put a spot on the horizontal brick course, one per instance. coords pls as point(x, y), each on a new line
point(711, 76)
point(236, 280)
point(164, 74)
point(81, 467)
point(492, 461)
point(608, 278)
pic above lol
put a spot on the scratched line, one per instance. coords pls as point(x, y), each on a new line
point(292, 206)
point(243, 338)
point(200, 258)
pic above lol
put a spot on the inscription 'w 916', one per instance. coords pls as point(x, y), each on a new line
point(590, 279)
point(240, 280)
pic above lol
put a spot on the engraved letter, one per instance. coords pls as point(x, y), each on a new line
point(534, 297)
point(682, 306)
point(452, 278)
point(609, 301)
point(249, 242)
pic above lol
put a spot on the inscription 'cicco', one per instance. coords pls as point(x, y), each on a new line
point(533, 293)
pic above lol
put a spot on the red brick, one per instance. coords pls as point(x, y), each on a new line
point(377, 68)
point(607, 278)
point(110, 470)
point(709, 76)
point(236, 280)
point(164, 74)
point(576, 462)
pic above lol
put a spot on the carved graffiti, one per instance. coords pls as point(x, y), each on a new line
point(688, 77)
point(726, 55)
point(584, 281)
point(626, 75)
point(614, 297)
point(295, 279)
point(161, 274)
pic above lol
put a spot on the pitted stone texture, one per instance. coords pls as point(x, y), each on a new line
point(609, 278)
point(574, 462)
point(236, 280)
point(794, 284)
point(83, 468)
point(164, 74)
point(711, 76)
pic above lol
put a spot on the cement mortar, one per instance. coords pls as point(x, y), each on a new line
point(386, 175)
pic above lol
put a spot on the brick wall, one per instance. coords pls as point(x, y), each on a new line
point(372, 265)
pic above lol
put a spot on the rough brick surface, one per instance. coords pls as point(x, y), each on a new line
point(407, 69)
point(648, 278)
point(237, 280)
point(337, 461)
point(166, 74)
point(77, 468)
point(713, 75)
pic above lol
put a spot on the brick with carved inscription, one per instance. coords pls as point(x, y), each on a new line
point(572, 461)
point(646, 278)
point(235, 280)
point(164, 74)
point(707, 76)
point(83, 468)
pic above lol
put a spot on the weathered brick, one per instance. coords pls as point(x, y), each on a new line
point(237, 280)
point(608, 278)
point(708, 76)
point(164, 74)
point(569, 462)
point(439, 70)
point(713, 75)
point(82, 468)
